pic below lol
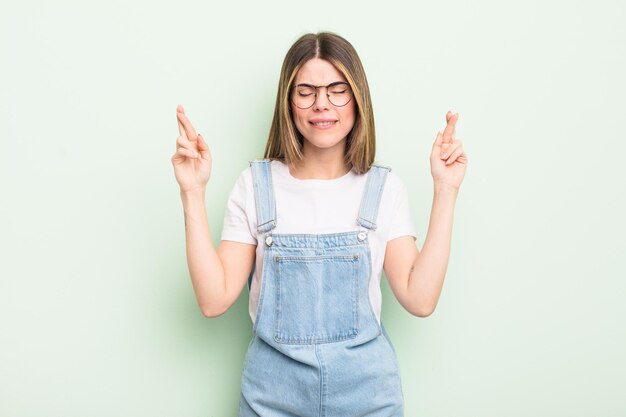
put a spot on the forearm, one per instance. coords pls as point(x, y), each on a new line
point(429, 268)
point(205, 267)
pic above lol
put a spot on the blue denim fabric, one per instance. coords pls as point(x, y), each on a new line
point(318, 349)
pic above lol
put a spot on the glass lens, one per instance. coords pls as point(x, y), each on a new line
point(339, 94)
point(303, 96)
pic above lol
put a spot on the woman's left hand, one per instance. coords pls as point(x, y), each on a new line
point(448, 160)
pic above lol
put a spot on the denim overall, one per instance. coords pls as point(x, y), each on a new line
point(317, 348)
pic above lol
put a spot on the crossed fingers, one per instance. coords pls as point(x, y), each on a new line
point(185, 128)
point(188, 139)
point(448, 132)
point(451, 148)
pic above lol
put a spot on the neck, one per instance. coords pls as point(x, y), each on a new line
point(324, 164)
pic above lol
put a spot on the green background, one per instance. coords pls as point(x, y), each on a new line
point(97, 312)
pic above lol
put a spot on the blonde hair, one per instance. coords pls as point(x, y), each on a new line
point(285, 141)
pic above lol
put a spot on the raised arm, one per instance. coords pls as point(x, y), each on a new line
point(416, 278)
point(218, 276)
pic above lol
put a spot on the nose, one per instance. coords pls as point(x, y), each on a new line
point(321, 100)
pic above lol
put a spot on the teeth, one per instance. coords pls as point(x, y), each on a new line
point(323, 123)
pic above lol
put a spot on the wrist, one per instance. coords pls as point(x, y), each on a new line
point(192, 193)
point(444, 188)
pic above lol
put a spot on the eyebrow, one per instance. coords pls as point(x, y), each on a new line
point(329, 85)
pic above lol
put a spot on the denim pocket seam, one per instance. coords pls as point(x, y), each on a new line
point(282, 336)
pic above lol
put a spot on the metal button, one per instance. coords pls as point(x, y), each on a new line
point(361, 235)
point(268, 241)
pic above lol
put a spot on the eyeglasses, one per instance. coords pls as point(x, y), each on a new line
point(304, 95)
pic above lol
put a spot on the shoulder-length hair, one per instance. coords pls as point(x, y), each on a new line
point(285, 141)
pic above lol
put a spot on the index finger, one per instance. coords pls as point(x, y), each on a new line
point(184, 123)
point(181, 129)
point(449, 130)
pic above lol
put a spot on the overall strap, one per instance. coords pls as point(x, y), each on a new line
point(372, 194)
point(263, 195)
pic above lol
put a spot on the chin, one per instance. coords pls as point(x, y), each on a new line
point(321, 142)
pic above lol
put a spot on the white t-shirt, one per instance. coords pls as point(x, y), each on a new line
point(318, 206)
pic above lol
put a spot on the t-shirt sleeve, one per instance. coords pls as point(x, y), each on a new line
point(238, 219)
point(402, 222)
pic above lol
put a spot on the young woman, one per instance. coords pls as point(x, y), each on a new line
point(310, 228)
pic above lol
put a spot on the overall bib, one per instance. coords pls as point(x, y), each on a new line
point(317, 348)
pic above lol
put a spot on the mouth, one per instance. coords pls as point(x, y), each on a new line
point(324, 124)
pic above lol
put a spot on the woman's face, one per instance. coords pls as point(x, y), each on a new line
point(319, 72)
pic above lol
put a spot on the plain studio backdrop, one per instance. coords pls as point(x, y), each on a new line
point(97, 312)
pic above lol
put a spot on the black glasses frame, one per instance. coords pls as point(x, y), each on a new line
point(316, 87)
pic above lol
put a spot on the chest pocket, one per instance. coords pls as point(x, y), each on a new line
point(316, 298)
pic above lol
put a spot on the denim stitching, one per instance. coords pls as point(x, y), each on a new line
point(261, 294)
point(281, 336)
point(323, 377)
point(369, 302)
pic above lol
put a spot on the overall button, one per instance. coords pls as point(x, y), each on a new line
point(361, 236)
point(268, 241)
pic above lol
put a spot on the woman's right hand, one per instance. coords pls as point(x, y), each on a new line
point(192, 160)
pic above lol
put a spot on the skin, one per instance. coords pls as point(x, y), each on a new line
point(416, 278)
point(218, 276)
point(323, 150)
